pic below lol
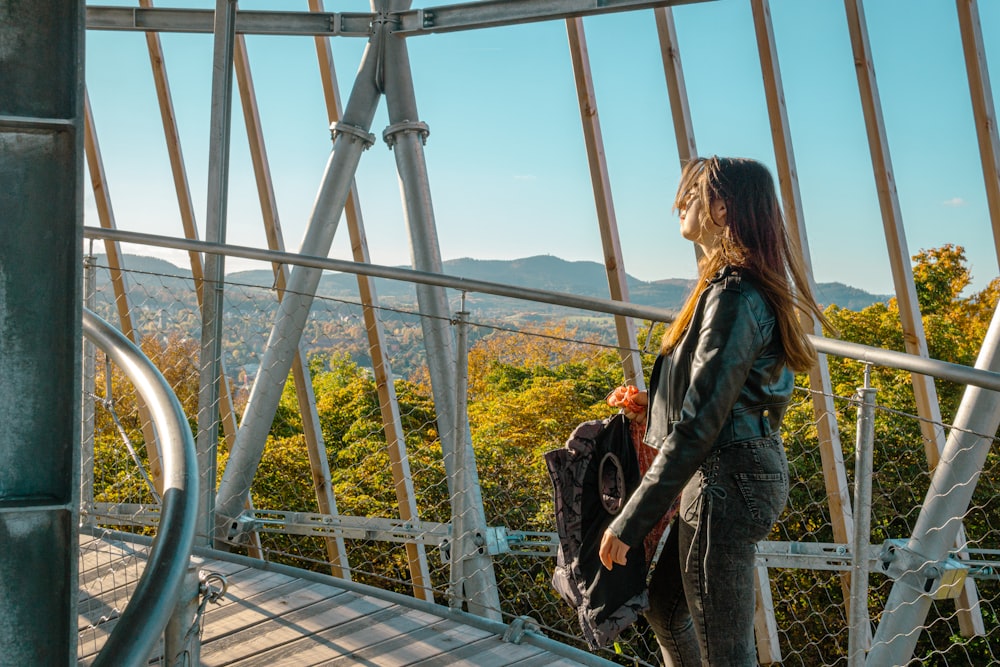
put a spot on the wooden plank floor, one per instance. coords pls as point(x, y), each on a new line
point(272, 617)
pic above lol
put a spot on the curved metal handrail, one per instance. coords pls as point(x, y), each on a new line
point(159, 587)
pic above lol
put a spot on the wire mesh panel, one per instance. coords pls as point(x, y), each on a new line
point(529, 384)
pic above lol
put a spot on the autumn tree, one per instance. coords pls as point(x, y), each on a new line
point(955, 321)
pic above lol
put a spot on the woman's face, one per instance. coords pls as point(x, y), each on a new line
point(706, 232)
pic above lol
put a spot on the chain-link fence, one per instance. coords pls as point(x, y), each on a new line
point(531, 378)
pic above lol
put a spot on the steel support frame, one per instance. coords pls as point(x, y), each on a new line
point(210, 357)
point(427, 20)
point(350, 138)
point(226, 413)
point(406, 135)
point(304, 393)
point(41, 168)
point(385, 385)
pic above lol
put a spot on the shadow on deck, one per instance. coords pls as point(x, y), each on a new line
point(276, 615)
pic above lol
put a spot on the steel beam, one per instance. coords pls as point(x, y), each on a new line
point(41, 212)
point(155, 19)
point(494, 13)
point(406, 136)
point(406, 498)
point(304, 394)
point(351, 138)
point(443, 18)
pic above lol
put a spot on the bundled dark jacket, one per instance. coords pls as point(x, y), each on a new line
point(725, 381)
point(592, 476)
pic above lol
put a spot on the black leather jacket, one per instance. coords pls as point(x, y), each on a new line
point(724, 382)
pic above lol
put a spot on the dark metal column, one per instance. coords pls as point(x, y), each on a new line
point(41, 204)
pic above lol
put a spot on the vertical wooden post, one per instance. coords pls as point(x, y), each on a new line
point(831, 451)
point(395, 438)
point(119, 283)
point(914, 338)
point(601, 182)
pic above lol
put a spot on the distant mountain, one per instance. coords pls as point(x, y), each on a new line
point(547, 272)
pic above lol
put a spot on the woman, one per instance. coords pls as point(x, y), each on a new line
point(717, 395)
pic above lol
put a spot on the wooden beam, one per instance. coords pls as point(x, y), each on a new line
point(982, 108)
point(831, 451)
point(381, 369)
point(614, 264)
point(319, 464)
point(119, 283)
point(914, 338)
point(676, 89)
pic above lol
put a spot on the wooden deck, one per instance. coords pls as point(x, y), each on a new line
point(276, 615)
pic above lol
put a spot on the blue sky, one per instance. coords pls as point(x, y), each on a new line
point(506, 159)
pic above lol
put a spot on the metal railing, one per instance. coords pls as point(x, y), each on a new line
point(805, 561)
point(159, 588)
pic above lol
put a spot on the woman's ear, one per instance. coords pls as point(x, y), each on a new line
point(718, 211)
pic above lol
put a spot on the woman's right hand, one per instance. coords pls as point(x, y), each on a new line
point(632, 402)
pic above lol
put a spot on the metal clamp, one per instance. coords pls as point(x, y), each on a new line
point(493, 541)
point(519, 627)
point(389, 134)
point(241, 528)
point(941, 580)
point(353, 133)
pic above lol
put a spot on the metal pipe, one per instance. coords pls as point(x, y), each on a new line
point(181, 641)
point(406, 136)
point(210, 358)
point(157, 592)
point(943, 370)
point(459, 497)
point(351, 137)
point(88, 376)
point(857, 643)
point(947, 500)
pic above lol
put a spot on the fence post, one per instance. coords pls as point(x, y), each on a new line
point(858, 641)
point(460, 499)
point(88, 375)
point(472, 578)
point(181, 639)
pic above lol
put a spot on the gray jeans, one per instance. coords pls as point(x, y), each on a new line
point(701, 593)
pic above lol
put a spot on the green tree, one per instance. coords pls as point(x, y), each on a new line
point(955, 323)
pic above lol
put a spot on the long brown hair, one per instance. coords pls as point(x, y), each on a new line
point(755, 240)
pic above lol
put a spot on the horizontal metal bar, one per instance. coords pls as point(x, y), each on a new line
point(889, 358)
point(823, 556)
point(391, 273)
point(494, 13)
point(33, 123)
point(349, 527)
point(21, 506)
point(532, 543)
point(155, 19)
point(122, 514)
point(442, 18)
